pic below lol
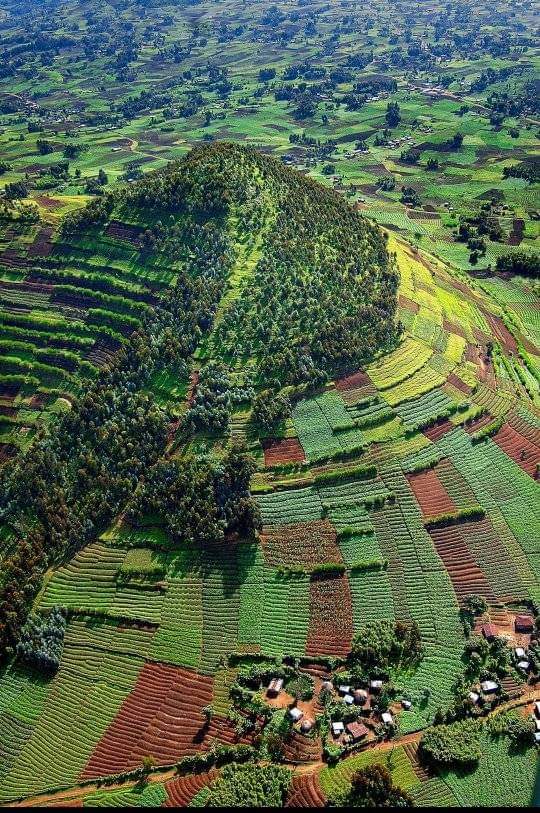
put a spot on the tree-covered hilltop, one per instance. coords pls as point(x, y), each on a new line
point(264, 263)
point(313, 288)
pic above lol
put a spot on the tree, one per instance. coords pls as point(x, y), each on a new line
point(249, 786)
point(392, 114)
point(373, 787)
point(16, 190)
point(454, 744)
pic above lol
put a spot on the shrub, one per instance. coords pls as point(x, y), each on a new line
point(249, 786)
point(356, 473)
point(454, 744)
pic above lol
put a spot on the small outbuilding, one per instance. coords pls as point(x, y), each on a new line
point(524, 623)
point(274, 687)
point(520, 652)
point(360, 696)
point(474, 697)
point(348, 699)
point(357, 731)
point(536, 708)
point(306, 726)
point(337, 729)
point(375, 685)
point(387, 718)
point(489, 632)
point(524, 665)
point(489, 686)
point(344, 689)
point(296, 714)
point(406, 704)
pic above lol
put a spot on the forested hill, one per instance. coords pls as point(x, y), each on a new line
point(311, 285)
point(270, 280)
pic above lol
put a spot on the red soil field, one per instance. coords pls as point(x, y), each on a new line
point(523, 427)
point(501, 332)
point(42, 245)
point(181, 791)
point(478, 423)
point(299, 748)
point(408, 304)
point(519, 448)
point(161, 718)
point(430, 493)
point(283, 450)
point(121, 231)
point(305, 791)
point(330, 612)
point(351, 382)
point(49, 203)
point(304, 543)
point(459, 384)
point(467, 578)
point(453, 327)
point(438, 430)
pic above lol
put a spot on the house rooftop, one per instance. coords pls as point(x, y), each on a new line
point(357, 730)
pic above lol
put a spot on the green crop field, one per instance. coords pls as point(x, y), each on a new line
point(269, 403)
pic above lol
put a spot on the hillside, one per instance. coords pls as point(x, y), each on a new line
point(265, 439)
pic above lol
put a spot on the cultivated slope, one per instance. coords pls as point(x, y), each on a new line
point(388, 489)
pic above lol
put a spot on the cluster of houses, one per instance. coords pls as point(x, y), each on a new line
point(358, 700)
point(523, 626)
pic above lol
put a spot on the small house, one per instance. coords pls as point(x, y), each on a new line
point(489, 632)
point(375, 685)
point(338, 729)
point(274, 687)
point(348, 699)
point(489, 686)
point(344, 689)
point(387, 718)
point(360, 697)
point(537, 723)
point(537, 708)
point(357, 731)
point(524, 623)
point(296, 714)
point(406, 704)
point(306, 726)
point(520, 653)
point(474, 697)
point(523, 665)
point(327, 686)
point(537, 736)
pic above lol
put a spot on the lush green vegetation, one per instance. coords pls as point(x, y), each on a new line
point(247, 435)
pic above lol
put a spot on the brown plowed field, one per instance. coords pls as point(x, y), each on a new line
point(430, 493)
point(161, 718)
point(330, 612)
point(283, 450)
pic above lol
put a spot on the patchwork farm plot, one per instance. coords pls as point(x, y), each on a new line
point(268, 473)
point(151, 629)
